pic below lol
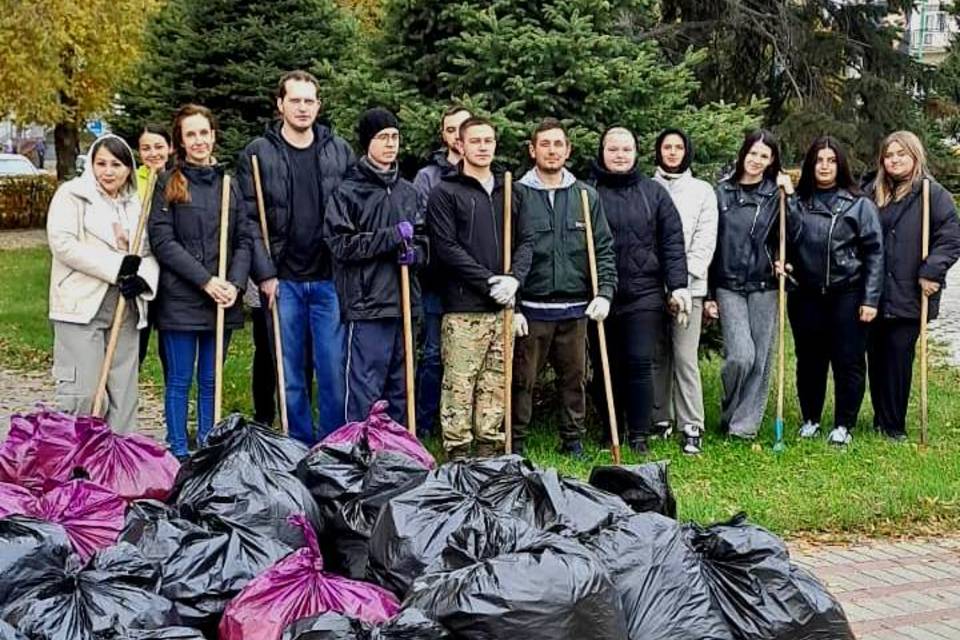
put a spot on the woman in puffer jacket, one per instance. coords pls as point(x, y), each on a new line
point(836, 253)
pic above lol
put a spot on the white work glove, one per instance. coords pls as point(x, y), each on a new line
point(598, 309)
point(520, 327)
point(681, 303)
point(503, 288)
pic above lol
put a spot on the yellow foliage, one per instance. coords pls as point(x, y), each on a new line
point(61, 59)
point(367, 12)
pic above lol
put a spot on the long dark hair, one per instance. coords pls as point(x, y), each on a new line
point(808, 173)
point(767, 138)
point(178, 190)
point(120, 151)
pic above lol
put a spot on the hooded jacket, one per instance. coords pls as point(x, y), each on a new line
point(837, 247)
point(901, 224)
point(185, 237)
point(425, 181)
point(334, 157)
point(747, 237)
point(559, 270)
point(466, 234)
point(86, 253)
point(647, 239)
point(360, 228)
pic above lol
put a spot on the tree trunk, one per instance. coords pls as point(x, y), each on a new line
point(66, 138)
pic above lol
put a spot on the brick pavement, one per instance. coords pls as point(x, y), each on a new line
point(899, 590)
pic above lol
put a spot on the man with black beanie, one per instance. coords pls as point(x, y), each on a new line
point(374, 224)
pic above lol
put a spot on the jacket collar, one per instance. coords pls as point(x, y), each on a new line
point(767, 187)
point(615, 180)
point(322, 132)
point(458, 176)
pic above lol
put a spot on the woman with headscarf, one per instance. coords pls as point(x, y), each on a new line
point(897, 191)
point(678, 392)
point(90, 227)
point(651, 278)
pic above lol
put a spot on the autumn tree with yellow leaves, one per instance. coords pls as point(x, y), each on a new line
point(60, 62)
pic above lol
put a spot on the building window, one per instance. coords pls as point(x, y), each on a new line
point(928, 38)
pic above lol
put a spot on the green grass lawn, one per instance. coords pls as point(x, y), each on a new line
point(872, 487)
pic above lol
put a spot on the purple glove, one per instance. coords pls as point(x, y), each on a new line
point(405, 229)
point(407, 255)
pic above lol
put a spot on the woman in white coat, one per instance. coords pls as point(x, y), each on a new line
point(90, 228)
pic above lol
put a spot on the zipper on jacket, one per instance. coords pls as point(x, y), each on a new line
point(756, 216)
point(833, 222)
point(496, 232)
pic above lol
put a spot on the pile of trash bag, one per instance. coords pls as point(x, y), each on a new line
point(29, 548)
point(409, 624)
point(645, 487)
point(53, 446)
point(380, 433)
point(116, 589)
point(297, 587)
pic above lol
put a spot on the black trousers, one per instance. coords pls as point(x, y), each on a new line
point(631, 339)
point(890, 355)
point(828, 334)
point(264, 374)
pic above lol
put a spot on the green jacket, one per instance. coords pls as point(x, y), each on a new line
point(560, 269)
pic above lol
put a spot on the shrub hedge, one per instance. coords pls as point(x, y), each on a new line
point(24, 200)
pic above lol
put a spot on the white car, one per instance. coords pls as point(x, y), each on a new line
point(13, 164)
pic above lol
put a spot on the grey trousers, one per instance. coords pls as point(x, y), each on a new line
point(677, 391)
point(748, 322)
point(78, 353)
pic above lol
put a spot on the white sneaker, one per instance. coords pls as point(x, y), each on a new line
point(692, 440)
point(840, 437)
point(662, 430)
point(809, 429)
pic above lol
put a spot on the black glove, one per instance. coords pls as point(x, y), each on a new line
point(129, 266)
point(133, 286)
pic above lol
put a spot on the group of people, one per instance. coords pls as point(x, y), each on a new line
point(669, 252)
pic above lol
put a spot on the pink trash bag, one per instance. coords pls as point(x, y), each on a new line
point(381, 433)
point(15, 500)
point(91, 515)
point(39, 444)
point(131, 465)
point(297, 587)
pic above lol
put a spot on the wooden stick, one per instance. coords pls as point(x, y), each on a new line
point(507, 316)
point(601, 334)
point(781, 322)
point(924, 316)
point(408, 348)
point(100, 395)
point(222, 274)
point(274, 311)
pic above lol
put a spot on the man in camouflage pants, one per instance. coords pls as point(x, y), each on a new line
point(465, 219)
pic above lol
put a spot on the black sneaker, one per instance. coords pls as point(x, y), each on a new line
point(574, 449)
point(662, 429)
point(517, 448)
point(692, 440)
point(638, 444)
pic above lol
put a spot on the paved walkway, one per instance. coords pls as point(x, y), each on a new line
point(945, 330)
point(894, 590)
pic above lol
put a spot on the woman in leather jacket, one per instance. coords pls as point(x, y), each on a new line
point(836, 252)
point(897, 190)
point(742, 288)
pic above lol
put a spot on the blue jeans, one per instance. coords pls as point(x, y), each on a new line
point(430, 368)
point(310, 312)
point(184, 350)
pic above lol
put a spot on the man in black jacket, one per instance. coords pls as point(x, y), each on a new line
point(301, 163)
point(465, 216)
point(369, 226)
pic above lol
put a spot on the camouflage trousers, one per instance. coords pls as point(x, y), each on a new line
point(471, 398)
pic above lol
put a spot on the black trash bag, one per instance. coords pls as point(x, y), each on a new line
point(350, 484)
point(202, 567)
point(414, 529)
point(761, 595)
point(550, 502)
point(31, 553)
point(117, 589)
point(547, 588)
point(9, 633)
point(467, 476)
point(410, 624)
point(659, 579)
point(167, 633)
point(244, 478)
point(645, 487)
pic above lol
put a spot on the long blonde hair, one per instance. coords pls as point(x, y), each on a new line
point(885, 188)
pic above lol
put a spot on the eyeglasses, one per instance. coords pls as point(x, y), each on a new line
point(387, 137)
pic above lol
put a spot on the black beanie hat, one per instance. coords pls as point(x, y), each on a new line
point(372, 122)
point(687, 155)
